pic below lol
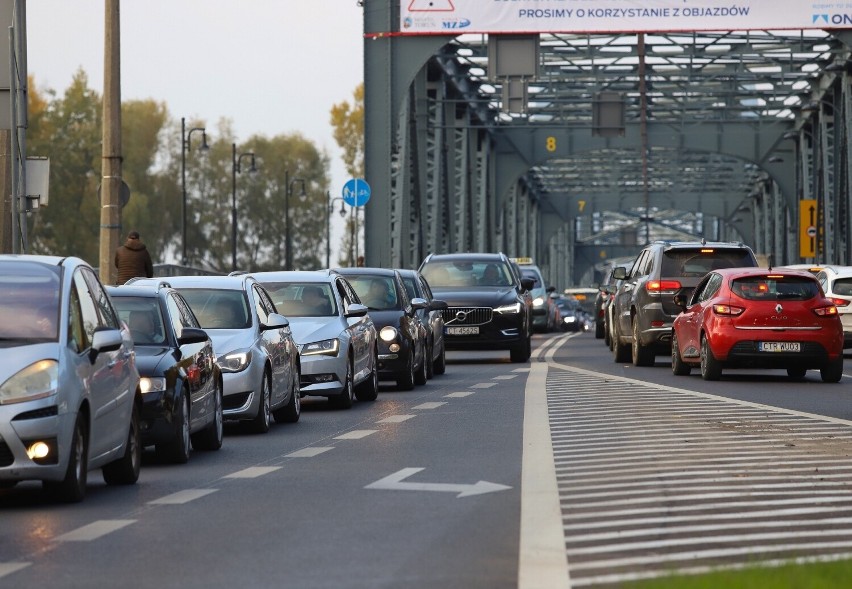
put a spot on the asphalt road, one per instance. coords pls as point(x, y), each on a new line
point(484, 477)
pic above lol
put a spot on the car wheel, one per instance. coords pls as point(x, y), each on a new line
point(72, 488)
point(599, 329)
point(679, 367)
point(210, 438)
point(620, 352)
point(369, 389)
point(346, 398)
point(640, 355)
point(125, 470)
point(441, 361)
point(421, 376)
point(177, 451)
point(291, 412)
point(405, 379)
point(520, 352)
point(710, 367)
point(796, 373)
point(833, 371)
point(607, 338)
point(262, 421)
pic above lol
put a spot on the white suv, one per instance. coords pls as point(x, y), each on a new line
point(836, 282)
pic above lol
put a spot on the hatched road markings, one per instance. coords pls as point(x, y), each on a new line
point(654, 479)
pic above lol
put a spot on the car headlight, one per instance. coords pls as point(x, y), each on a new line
point(327, 347)
point(388, 333)
point(36, 381)
point(538, 302)
point(234, 361)
point(513, 308)
point(152, 384)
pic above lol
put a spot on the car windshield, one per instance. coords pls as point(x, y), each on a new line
point(144, 318)
point(302, 299)
point(377, 292)
point(410, 286)
point(218, 308)
point(30, 302)
point(698, 262)
point(772, 288)
point(467, 273)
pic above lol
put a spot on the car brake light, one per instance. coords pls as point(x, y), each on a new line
point(658, 286)
point(839, 302)
point(826, 311)
point(727, 310)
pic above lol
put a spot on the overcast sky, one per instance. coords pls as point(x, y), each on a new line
point(271, 66)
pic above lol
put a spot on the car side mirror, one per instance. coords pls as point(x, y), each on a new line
point(438, 305)
point(551, 289)
point(192, 335)
point(418, 303)
point(527, 283)
point(105, 339)
point(356, 310)
point(619, 273)
point(275, 321)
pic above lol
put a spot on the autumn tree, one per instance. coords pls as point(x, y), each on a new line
point(348, 123)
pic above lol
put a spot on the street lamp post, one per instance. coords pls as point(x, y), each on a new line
point(235, 169)
point(342, 212)
point(288, 254)
point(185, 139)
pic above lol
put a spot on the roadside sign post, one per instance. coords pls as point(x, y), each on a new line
point(356, 193)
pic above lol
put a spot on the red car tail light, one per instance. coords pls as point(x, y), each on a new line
point(826, 311)
point(839, 302)
point(727, 310)
point(662, 286)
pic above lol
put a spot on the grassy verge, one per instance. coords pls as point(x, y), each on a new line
point(822, 575)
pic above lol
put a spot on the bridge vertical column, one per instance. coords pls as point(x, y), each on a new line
point(439, 215)
point(398, 207)
point(485, 218)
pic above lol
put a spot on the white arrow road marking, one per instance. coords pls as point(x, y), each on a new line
point(395, 482)
point(7, 568)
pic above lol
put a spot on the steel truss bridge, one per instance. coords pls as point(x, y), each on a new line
point(723, 134)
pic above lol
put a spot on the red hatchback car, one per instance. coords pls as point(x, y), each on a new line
point(758, 318)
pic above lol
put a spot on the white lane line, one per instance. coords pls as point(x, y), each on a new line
point(522, 369)
point(505, 377)
point(620, 525)
point(483, 385)
point(252, 472)
point(542, 563)
point(182, 497)
point(7, 568)
point(356, 434)
point(459, 395)
point(309, 452)
point(95, 530)
point(396, 418)
point(433, 405)
point(672, 530)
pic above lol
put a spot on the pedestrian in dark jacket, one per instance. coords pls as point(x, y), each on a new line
point(132, 259)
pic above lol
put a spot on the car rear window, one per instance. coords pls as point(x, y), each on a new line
point(775, 288)
point(842, 287)
point(700, 261)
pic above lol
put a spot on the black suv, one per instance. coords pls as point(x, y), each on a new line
point(643, 306)
point(489, 303)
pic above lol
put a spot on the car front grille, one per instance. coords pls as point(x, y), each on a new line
point(467, 315)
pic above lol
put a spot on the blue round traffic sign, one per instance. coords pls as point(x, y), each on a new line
point(356, 192)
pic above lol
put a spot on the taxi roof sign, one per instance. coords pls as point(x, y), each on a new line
point(528, 261)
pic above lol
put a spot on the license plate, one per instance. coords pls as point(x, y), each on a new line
point(463, 330)
point(779, 346)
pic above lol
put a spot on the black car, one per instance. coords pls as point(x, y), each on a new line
point(180, 381)
point(402, 337)
point(432, 318)
point(489, 304)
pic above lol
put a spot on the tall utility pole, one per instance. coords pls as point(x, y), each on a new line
point(111, 152)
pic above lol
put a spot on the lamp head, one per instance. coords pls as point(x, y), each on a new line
point(204, 146)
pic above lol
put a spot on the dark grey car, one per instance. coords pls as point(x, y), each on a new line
point(643, 306)
point(432, 318)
